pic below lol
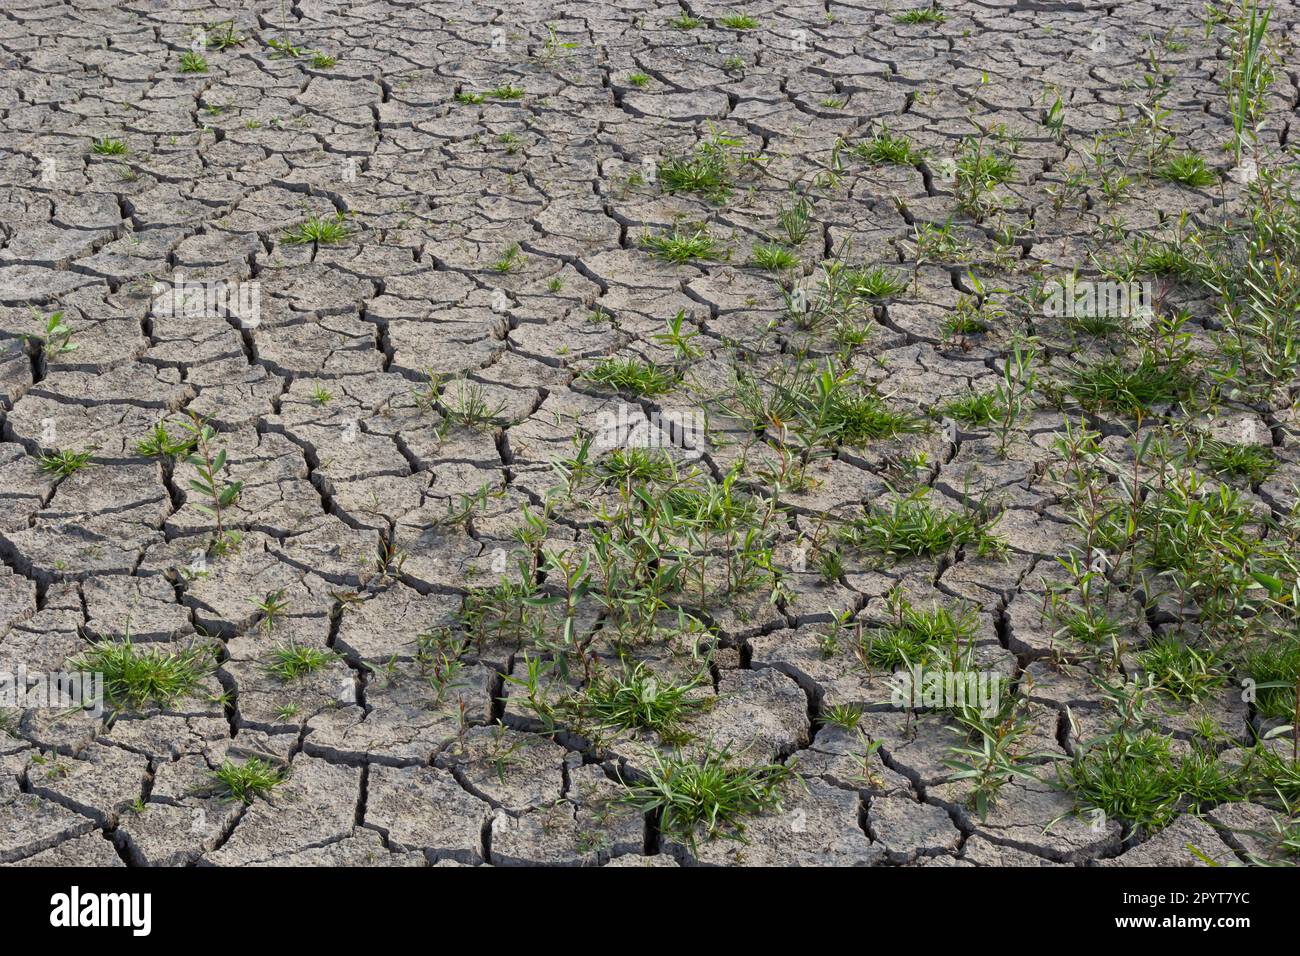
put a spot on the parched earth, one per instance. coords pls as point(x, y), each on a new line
point(418, 231)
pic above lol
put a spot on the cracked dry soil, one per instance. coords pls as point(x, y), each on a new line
point(394, 399)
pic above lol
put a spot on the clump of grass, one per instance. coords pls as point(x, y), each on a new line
point(65, 462)
point(914, 528)
point(684, 21)
point(136, 675)
point(507, 91)
point(683, 243)
point(323, 61)
point(107, 146)
point(636, 466)
point(974, 408)
point(1135, 777)
point(1187, 169)
point(842, 716)
point(876, 282)
point(886, 148)
point(291, 661)
point(930, 14)
point(509, 261)
point(713, 795)
point(160, 443)
point(634, 376)
point(796, 220)
point(854, 416)
point(254, 777)
point(1274, 666)
point(192, 62)
point(917, 634)
point(738, 21)
point(707, 170)
point(638, 79)
point(1180, 670)
point(773, 257)
point(323, 230)
point(1111, 385)
point(638, 699)
point(1089, 625)
point(1252, 462)
point(470, 406)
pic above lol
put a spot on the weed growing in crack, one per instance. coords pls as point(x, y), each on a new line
point(990, 755)
point(683, 244)
point(1180, 670)
point(914, 528)
point(680, 342)
point(107, 146)
point(707, 171)
point(283, 49)
point(221, 494)
point(65, 462)
point(876, 282)
point(795, 219)
point(939, 243)
point(842, 716)
point(322, 230)
point(773, 257)
point(57, 337)
point(917, 634)
point(738, 21)
point(1187, 169)
point(1251, 73)
point(138, 675)
point(254, 777)
point(886, 148)
point(509, 261)
point(467, 405)
point(160, 443)
point(192, 62)
point(927, 15)
point(979, 169)
point(271, 607)
point(632, 376)
point(223, 36)
point(292, 660)
point(711, 797)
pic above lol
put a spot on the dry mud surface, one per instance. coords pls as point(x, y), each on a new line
point(496, 181)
